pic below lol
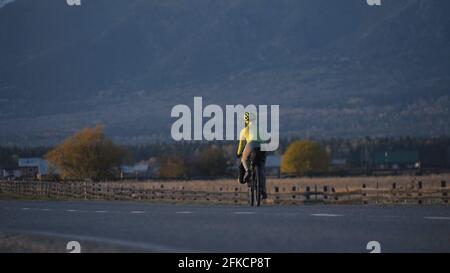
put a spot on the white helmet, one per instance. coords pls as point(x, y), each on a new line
point(249, 117)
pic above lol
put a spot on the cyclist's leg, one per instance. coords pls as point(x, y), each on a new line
point(245, 160)
point(241, 173)
point(245, 155)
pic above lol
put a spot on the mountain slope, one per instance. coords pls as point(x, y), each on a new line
point(337, 68)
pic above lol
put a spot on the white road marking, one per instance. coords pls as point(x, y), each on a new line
point(244, 212)
point(71, 210)
point(137, 211)
point(437, 218)
point(45, 209)
point(25, 208)
point(326, 215)
point(100, 211)
point(184, 212)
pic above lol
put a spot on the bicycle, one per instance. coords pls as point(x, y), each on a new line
point(257, 162)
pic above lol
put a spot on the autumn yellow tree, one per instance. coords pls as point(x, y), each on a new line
point(88, 154)
point(212, 162)
point(173, 166)
point(305, 157)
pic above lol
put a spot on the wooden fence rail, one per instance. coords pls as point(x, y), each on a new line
point(279, 191)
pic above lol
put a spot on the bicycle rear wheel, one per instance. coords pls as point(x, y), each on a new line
point(257, 183)
point(252, 194)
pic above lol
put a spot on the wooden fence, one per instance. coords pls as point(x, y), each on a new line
point(363, 190)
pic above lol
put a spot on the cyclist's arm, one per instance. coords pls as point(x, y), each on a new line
point(241, 142)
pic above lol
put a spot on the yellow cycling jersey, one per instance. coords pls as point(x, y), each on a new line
point(247, 134)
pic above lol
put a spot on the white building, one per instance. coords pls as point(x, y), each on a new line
point(137, 171)
point(33, 168)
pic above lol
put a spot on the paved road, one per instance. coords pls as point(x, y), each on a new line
point(202, 228)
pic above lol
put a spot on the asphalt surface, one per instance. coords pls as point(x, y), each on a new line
point(213, 228)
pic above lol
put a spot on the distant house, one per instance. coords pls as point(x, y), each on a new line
point(136, 171)
point(6, 173)
point(11, 174)
point(397, 159)
point(33, 168)
point(338, 164)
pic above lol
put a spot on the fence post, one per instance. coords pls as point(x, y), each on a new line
point(315, 192)
point(85, 190)
point(444, 192)
point(363, 193)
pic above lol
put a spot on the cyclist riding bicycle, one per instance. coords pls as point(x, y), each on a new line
point(250, 136)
